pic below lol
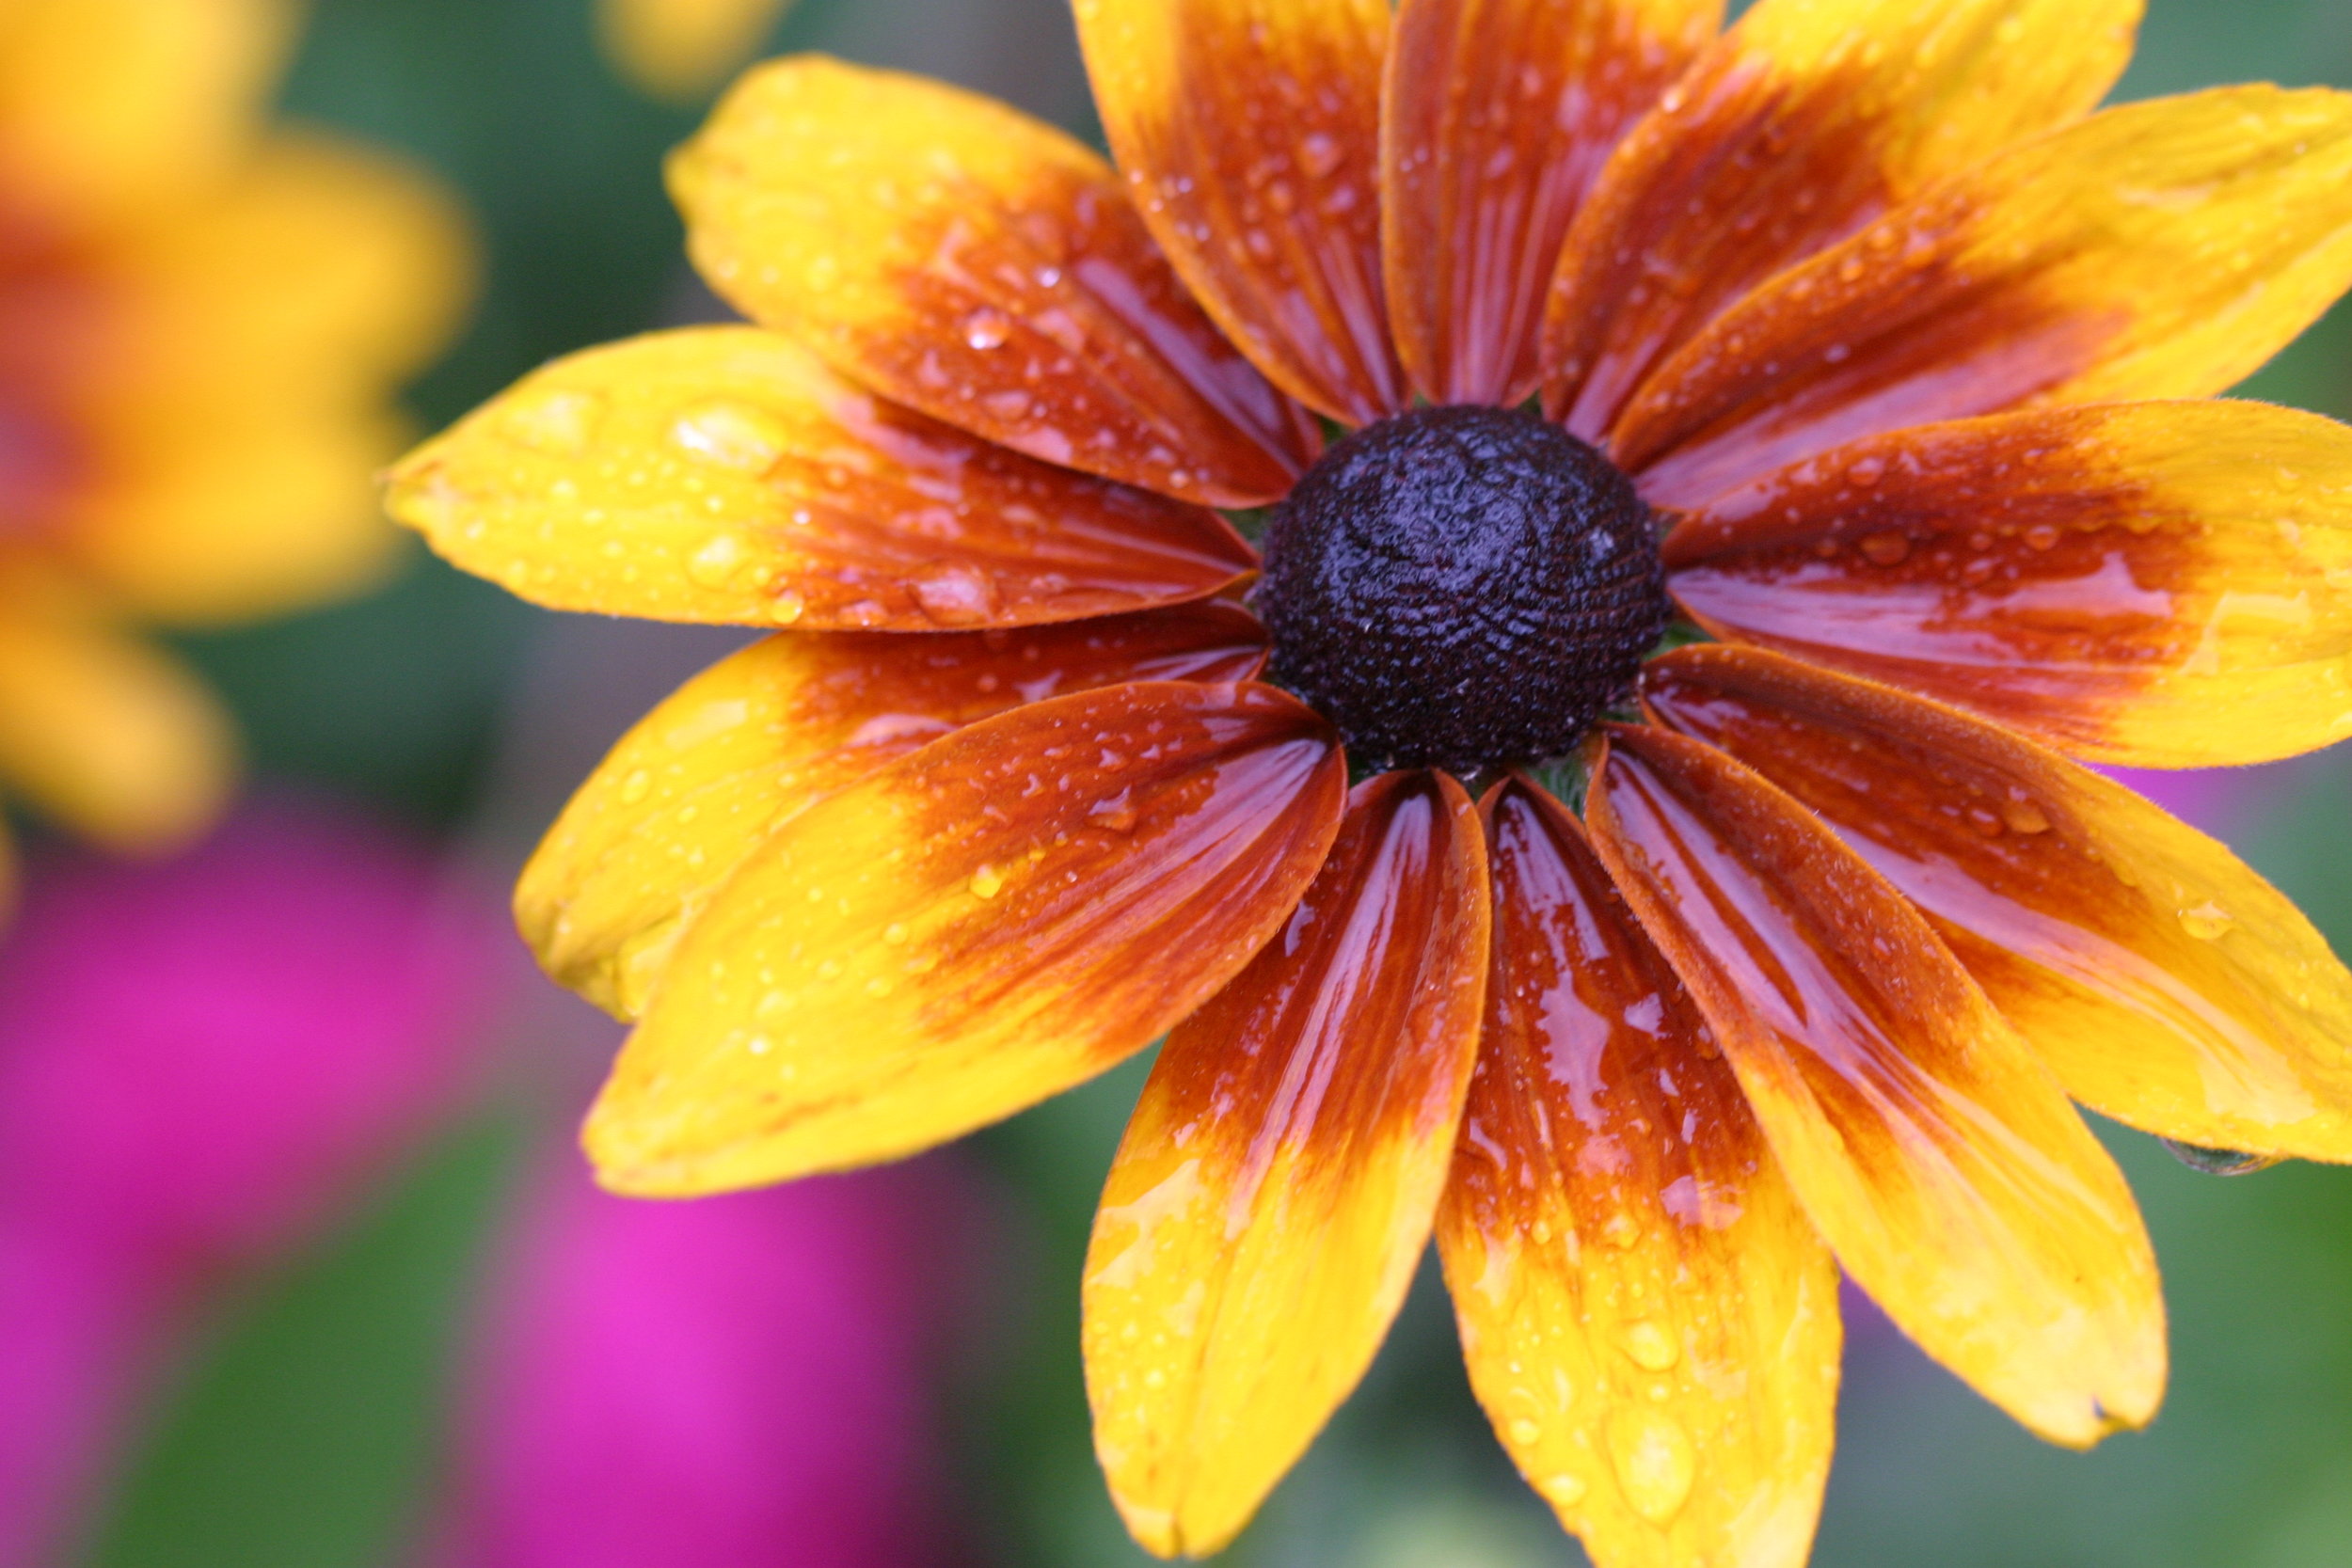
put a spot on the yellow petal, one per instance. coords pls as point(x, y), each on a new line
point(2159, 250)
point(1277, 1183)
point(1006, 913)
point(1650, 1321)
point(960, 257)
point(680, 49)
point(1249, 135)
point(1803, 122)
point(1931, 1147)
point(725, 474)
point(113, 737)
point(110, 107)
point(2169, 986)
point(708, 777)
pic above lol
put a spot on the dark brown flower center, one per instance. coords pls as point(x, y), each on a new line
point(1461, 588)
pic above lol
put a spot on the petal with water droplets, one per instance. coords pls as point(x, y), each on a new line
point(1650, 1321)
point(2158, 251)
point(708, 776)
point(725, 474)
point(2161, 585)
point(2169, 986)
point(1277, 1183)
point(1008, 911)
point(1496, 117)
point(1249, 135)
point(1806, 121)
point(1935, 1152)
point(958, 257)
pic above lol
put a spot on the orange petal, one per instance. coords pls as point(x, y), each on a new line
point(977, 926)
point(1650, 1320)
point(2165, 585)
point(724, 474)
point(1935, 1152)
point(708, 777)
point(1803, 122)
point(2169, 986)
point(1497, 115)
point(1276, 1184)
point(1249, 135)
point(2160, 250)
point(962, 259)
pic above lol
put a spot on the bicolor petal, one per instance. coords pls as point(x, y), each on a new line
point(1277, 1183)
point(1650, 1320)
point(725, 474)
point(2165, 249)
point(985, 922)
point(1802, 123)
point(2169, 986)
point(706, 777)
point(960, 257)
point(1249, 132)
point(1496, 117)
point(2164, 585)
point(1934, 1152)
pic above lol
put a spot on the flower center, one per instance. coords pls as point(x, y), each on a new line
point(1461, 588)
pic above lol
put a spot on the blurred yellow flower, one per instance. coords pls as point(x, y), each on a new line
point(681, 49)
point(201, 319)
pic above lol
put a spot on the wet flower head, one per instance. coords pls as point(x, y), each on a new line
point(200, 324)
point(1771, 463)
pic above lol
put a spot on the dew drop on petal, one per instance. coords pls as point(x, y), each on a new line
point(1651, 1346)
point(1564, 1490)
point(563, 422)
point(987, 327)
point(716, 562)
point(1890, 548)
point(2206, 922)
point(987, 882)
point(954, 594)
point(2217, 1162)
point(1524, 1432)
point(786, 608)
point(635, 787)
point(732, 435)
point(1654, 1461)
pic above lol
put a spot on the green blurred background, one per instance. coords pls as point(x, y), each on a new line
point(304, 1427)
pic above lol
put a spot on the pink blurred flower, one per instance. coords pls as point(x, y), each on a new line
point(197, 1060)
point(732, 1382)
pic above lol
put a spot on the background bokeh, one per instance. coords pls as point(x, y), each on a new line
point(308, 1417)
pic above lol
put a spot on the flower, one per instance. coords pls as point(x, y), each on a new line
point(202, 323)
point(198, 1059)
point(1660, 977)
point(707, 1385)
point(681, 49)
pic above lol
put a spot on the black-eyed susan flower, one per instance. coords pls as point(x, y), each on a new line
point(1851, 341)
point(200, 324)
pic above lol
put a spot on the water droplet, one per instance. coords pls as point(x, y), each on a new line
point(1656, 1462)
point(635, 787)
point(987, 327)
point(786, 608)
point(1564, 1490)
point(1867, 471)
point(987, 882)
point(2208, 921)
point(1651, 1346)
point(954, 594)
point(563, 422)
point(733, 434)
point(894, 935)
point(716, 561)
point(2217, 1162)
point(1320, 154)
point(2043, 536)
point(1890, 548)
point(1622, 1230)
point(2023, 816)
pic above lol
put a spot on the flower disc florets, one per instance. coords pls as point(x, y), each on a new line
point(1462, 588)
